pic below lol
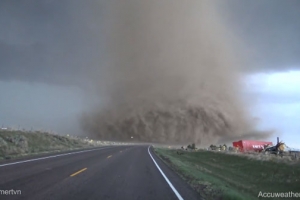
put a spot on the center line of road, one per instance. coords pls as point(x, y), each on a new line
point(78, 172)
point(109, 156)
point(170, 184)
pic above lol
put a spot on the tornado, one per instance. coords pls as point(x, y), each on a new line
point(168, 74)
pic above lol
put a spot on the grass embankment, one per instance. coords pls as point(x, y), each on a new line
point(20, 143)
point(224, 176)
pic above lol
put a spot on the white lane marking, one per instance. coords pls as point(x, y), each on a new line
point(65, 154)
point(170, 184)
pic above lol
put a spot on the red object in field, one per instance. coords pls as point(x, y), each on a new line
point(250, 145)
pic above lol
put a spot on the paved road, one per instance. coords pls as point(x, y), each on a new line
point(122, 172)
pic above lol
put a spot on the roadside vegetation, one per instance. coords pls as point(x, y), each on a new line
point(20, 143)
point(217, 175)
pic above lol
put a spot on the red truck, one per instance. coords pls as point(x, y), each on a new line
point(251, 145)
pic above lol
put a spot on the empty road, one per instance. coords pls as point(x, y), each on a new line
point(119, 172)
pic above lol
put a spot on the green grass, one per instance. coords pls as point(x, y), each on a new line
point(224, 176)
point(19, 143)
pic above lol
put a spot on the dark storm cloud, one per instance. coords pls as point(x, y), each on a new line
point(153, 57)
point(48, 41)
point(270, 30)
point(60, 41)
point(170, 76)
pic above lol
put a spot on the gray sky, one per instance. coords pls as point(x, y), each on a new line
point(270, 29)
point(60, 41)
point(58, 45)
point(48, 41)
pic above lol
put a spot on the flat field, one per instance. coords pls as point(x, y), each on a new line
point(218, 175)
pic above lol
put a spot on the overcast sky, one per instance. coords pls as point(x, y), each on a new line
point(57, 41)
point(49, 49)
point(277, 107)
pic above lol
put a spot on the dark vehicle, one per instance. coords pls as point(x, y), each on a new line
point(277, 149)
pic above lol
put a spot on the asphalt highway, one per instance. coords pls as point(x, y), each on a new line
point(115, 173)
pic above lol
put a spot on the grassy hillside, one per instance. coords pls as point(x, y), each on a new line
point(224, 176)
point(17, 143)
